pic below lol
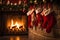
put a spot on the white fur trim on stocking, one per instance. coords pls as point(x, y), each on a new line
point(29, 12)
point(38, 10)
point(47, 12)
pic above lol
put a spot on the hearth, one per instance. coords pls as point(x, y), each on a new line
point(13, 23)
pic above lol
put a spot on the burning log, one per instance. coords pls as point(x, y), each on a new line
point(21, 27)
point(14, 26)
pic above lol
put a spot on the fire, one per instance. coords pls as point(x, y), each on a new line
point(17, 25)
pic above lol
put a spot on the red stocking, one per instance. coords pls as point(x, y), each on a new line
point(44, 24)
point(29, 21)
point(50, 24)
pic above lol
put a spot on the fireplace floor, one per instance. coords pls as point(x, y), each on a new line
point(24, 37)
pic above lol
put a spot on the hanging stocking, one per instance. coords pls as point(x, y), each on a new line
point(29, 21)
point(48, 19)
point(38, 16)
point(29, 13)
point(51, 22)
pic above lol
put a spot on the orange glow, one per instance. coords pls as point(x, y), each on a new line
point(15, 38)
point(11, 38)
point(16, 24)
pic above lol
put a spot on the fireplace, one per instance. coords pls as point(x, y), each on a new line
point(13, 22)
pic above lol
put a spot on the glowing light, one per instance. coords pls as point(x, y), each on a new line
point(17, 25)
point(11, 38)
point(17, 38)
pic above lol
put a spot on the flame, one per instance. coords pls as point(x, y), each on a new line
point(17, 24)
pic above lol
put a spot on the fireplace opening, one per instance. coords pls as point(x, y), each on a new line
point(14, 23)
